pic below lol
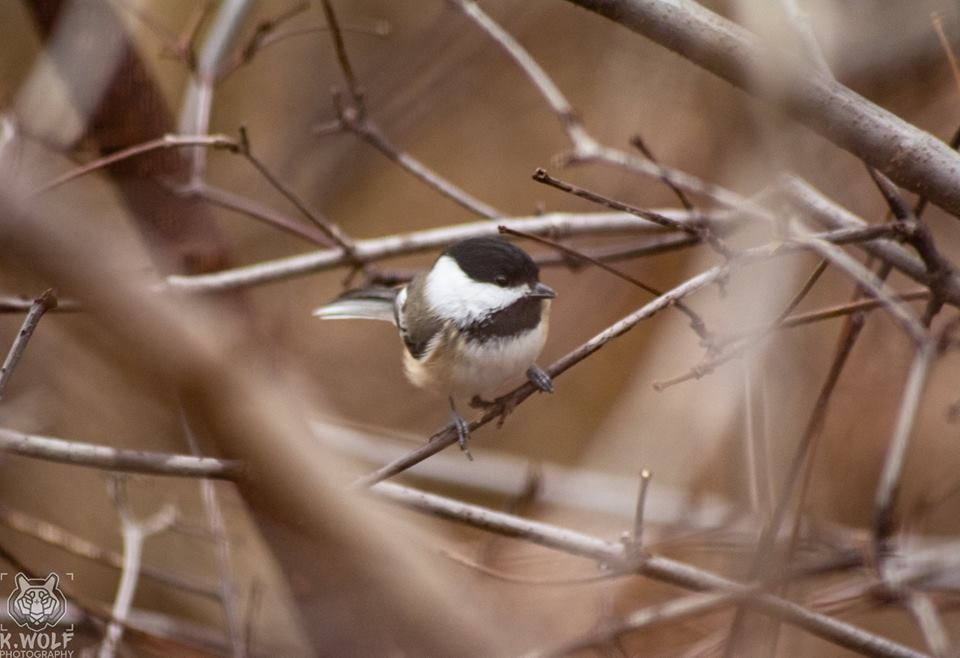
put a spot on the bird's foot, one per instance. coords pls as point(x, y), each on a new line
point(540, 379)
point(463, 430)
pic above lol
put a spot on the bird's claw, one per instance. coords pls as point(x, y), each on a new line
point(540, 379)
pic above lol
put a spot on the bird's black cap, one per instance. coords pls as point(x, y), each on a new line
point(493, 260)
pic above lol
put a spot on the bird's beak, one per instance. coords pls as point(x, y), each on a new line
point(542, 291)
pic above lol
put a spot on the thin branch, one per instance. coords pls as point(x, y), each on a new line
point(889, 482)
point(702, 232)
point(585, 149)
point(165, 142)
point(218, 531)
point(46, 301)
point(23, 304)
point(657, 567)
point(696, 322)
point(353, 87)
point(582, 142)
point(250, 208)
point(375, 249)
point(135, 533)
point(117, 459)
point(922, 609)
point(331, 230)
point(637, 142)
point(350, 118)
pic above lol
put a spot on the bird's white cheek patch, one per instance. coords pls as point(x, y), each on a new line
point(454, 295)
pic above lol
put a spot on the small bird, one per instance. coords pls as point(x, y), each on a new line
point(474, 321)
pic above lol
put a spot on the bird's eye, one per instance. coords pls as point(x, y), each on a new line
point(501, 281)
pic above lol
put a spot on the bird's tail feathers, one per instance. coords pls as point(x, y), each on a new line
point(361, 304)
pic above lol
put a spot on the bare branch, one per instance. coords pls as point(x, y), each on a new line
point(913, 158)
point(653, 566)
point(889, 483)
point(135, 532)
point(362, 126)
point(116, 459)
point(366, 251)
point(46, 301)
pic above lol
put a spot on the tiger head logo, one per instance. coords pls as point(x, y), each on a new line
point(36, 603)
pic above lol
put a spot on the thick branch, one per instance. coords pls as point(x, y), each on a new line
point(914, 159)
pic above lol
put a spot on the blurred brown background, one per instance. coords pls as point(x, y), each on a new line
point(443, 92)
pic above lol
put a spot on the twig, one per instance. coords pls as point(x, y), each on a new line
point(922, 609)
point(701, 231)
point(165, 142)
point(218, 531)
point(251, 208)
point(273, 37)
point(637, 142)
point(46, 301)
point(696, 322)
point(889, 482)
point(582, 142)
point(636, 536)
point(22, 304)
point(331, 230)
point(652, 566)
point(585, 148)
point(367, 251)
point(261, 33)
point(349, 118)
point(117, 459)
point(135, 532)
point(800, 21)
point(353, 87)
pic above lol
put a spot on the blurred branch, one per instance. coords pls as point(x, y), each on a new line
point(229, 596)
point(807, 199)
point(366, 251)
point(889, 483)
point(135, 532)
point(116, 459)
point(613, 555)
point(161, 143)
point(62, 538)
point(46, 301)
point(913, 158)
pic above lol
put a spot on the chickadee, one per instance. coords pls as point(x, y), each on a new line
point(471, 323)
